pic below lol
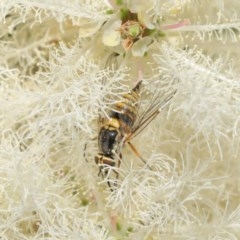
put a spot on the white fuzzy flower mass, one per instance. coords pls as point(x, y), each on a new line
point(64, 67)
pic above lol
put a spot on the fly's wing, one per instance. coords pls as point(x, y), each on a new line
point(152, 102)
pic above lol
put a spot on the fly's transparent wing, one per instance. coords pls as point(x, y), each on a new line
point(153, 99)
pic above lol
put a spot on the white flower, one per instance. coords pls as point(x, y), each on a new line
point(55, 83)
point(134, 27)
point(111, 32)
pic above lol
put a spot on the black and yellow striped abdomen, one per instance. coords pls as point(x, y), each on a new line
point(126, 111)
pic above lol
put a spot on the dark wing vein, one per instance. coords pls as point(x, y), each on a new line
point(157, 103)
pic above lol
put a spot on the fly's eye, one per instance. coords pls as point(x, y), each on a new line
point(98, 159)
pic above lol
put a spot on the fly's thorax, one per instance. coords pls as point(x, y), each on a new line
point(112, 123)
point(109, 136)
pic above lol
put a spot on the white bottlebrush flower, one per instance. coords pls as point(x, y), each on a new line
point(57, 83)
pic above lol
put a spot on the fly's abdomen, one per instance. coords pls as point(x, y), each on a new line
point(127, 110)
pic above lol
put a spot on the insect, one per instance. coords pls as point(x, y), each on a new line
point(124, 123)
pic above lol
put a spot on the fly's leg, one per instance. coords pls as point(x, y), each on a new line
point(104, 173)
point(138, 154)
point(118, 166)
point(85, 150)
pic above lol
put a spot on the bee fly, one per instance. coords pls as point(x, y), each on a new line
point(123, 125)
point(115, 130)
